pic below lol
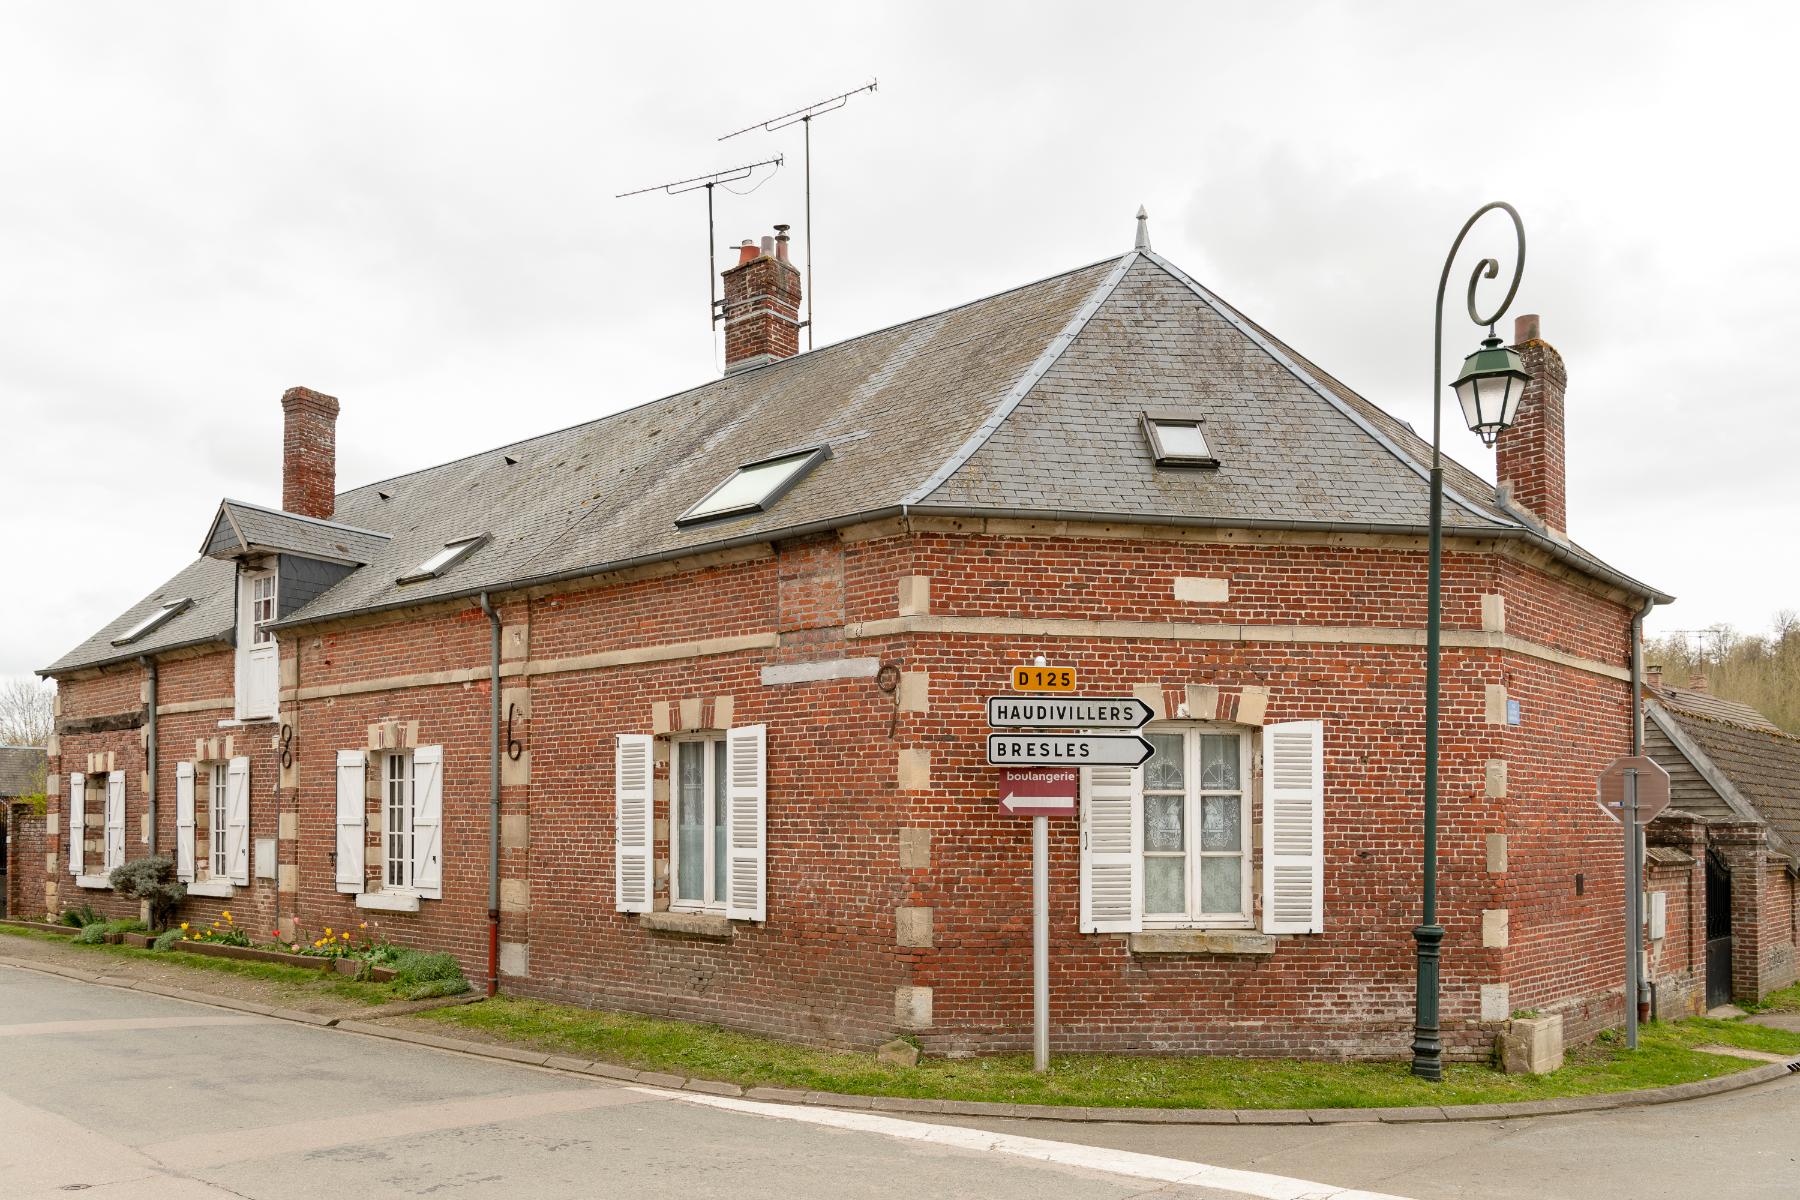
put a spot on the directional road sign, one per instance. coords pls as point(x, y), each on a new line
point(1067, 712)
point(1652, 786)
point(1039, 791)
point(1067, 749)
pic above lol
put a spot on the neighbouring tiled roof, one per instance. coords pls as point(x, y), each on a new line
point(1025, 402)
point(1713, 708)
point(21, 770)
point(1761, 764)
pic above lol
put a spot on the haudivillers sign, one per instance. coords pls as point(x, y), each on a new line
point(1067, 712)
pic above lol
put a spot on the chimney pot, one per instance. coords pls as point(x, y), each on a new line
point(309, 453)
point(1527, 329)
point(762, 304)
point(1697, 680)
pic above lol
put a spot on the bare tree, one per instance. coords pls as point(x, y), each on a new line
point(27, 715)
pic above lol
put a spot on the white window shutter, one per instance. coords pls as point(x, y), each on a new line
point(351, 806)
point(428, 822)
point(634, 838)
point(184, 821)
point(115, 820)
point(1112, 842)
point(1294, 827)
point(237, 820)
point(77, 830)
point(746, 823)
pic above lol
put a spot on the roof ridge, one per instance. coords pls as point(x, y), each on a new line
point(1022, 387)
point(329, 524)
point(807, 356)
point(1267, 344)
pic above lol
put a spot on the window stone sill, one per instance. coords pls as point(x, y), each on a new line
point(1241, 942)
point(220, 888)
point(96, 883)
point(710, 926)
point(404, 902)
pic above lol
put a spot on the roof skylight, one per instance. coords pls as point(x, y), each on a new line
point(443, 560)
point(156, 620)
point(754, 487)
point(1178, 441)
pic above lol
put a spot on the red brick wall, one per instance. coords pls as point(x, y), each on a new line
point(26, 846)
point(824, 966)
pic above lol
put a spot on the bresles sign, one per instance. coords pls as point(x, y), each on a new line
point(1067, 749)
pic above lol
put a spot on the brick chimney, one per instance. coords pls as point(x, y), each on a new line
point(1529, 457)
point(1653, 676)
point(309, 453)
point(762, 304)
point(1697, 679)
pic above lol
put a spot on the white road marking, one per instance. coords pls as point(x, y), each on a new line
point(1094, 1158)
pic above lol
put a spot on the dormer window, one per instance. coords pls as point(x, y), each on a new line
point(156, 620)
point(755, 487)
point(1178, 441)
point(444, 560)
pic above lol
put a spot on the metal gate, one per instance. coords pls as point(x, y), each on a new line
point(1718, 931)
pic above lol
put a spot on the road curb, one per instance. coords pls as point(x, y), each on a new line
point(1561, 1106)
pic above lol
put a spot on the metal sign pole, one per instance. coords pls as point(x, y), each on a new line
point(1040, 943)
point(1634, 927)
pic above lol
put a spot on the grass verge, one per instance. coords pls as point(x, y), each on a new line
point(293, 979)
point(1665, 1056)
point(1786, 1000)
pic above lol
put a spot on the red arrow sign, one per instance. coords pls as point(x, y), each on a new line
point(1039, 791)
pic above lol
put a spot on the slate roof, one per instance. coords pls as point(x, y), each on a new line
point(21, 770)
point(241, 528)
point(1759, 762)
point(1027, 403)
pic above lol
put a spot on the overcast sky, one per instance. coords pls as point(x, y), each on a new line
point(411, 207)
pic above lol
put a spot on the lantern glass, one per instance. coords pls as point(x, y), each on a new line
point(1489, 389)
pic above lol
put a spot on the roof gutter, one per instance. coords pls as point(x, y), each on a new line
point(910, 511)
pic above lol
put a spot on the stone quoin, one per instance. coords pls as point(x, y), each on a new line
point(747, 634)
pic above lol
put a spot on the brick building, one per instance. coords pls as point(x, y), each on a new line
point(681, 710)
point(1724, 859)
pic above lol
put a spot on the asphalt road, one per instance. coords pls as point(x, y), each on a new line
point(122, 1094)
point(113, 1093)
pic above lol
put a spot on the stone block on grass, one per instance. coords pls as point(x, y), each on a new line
point(1532, 1045)
point(898, 1053)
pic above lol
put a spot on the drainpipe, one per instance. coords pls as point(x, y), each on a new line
point(1637, 677)
point(1634, 871)
point(150, 749)
point(493, 967)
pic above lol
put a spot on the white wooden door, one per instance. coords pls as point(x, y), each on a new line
point(258, 664)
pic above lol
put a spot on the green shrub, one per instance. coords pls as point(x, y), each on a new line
point(168, 939)
point(81, 917)
point(93, 935)
point(153, 881)
point(419, 974)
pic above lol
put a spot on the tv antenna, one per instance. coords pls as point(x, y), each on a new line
point(804, 118)
point(709, 182)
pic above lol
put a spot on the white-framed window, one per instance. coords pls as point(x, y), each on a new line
point(697, 824)
point(718, 823)
point(1196, 820)
point(262, 608)
point(397, 820)
point(218, 861)
point(1167, 844)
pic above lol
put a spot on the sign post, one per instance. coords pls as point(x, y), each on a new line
point(1638, 787)
point(1036, 780)
point(1040, 943)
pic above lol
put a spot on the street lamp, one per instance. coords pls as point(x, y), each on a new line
point(1489, 387)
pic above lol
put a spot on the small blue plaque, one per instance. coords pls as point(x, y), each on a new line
point(1512, 712)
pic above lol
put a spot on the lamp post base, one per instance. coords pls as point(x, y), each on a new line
point(1428, 1047)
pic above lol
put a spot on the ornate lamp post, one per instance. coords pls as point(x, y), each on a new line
point(1489, 387)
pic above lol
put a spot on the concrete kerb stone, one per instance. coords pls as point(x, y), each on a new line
point(1674, 1093)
